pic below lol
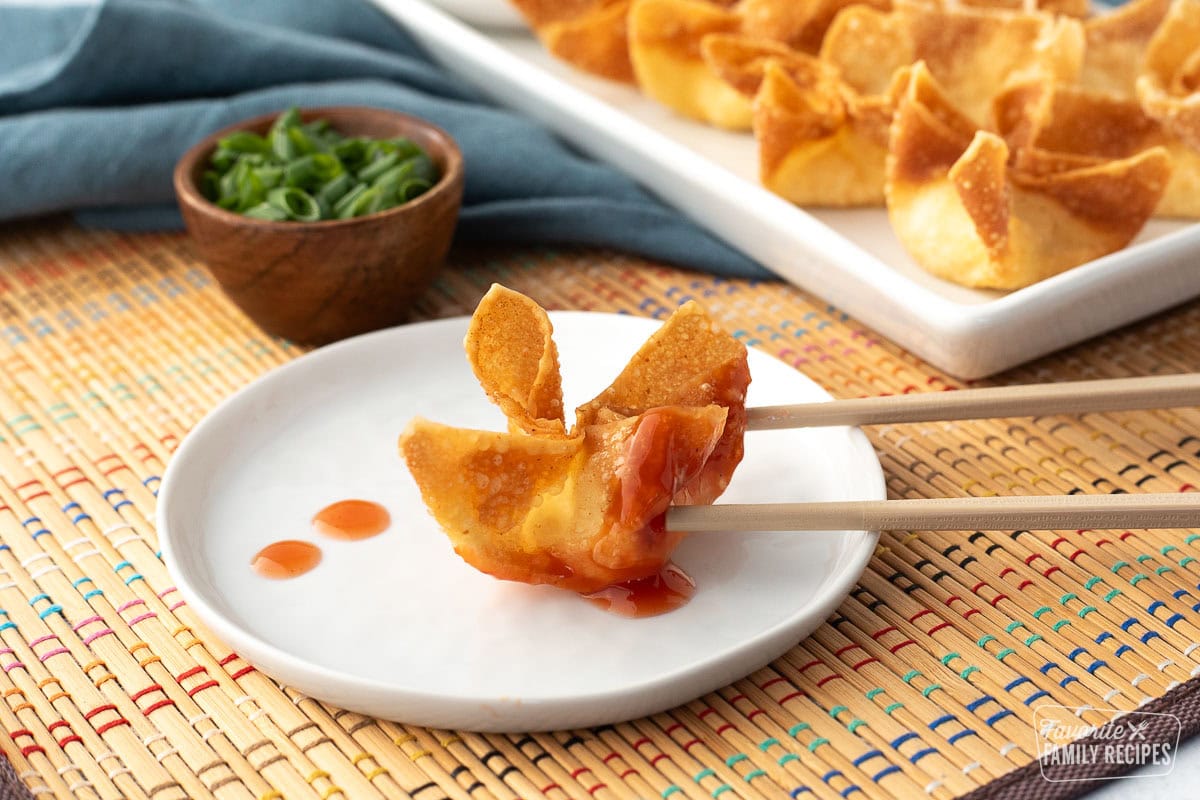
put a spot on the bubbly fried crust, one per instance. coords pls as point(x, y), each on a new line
point(1034, 118)
point(572, 512)
point(578, 509)
point(510, 347)
point(1116, 45)
point(1069, 8)
point(1169, 87)
point(798, 24)
point(966, 213)
point(665, 46)
point(590, 34)
point(688, 362)
point(820, 142)
point(972, 52)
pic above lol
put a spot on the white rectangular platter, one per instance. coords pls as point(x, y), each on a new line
point(850, 258)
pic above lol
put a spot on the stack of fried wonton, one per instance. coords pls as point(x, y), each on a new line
point(1009, 139)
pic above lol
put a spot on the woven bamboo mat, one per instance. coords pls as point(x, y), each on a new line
point(923, 684)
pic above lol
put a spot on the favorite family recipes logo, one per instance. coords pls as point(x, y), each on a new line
point(1095, 744)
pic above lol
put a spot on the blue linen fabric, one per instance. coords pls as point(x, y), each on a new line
point(98, 102)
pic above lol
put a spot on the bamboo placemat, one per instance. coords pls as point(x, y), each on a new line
point(923, 684)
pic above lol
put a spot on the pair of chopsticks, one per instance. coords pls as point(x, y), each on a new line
point(966, 513)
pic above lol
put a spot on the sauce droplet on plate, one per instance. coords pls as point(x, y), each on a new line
point(665, 591)
point(286, 559)
point(352, 519)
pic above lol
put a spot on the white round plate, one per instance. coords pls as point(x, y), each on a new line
point(397, 626)
point(484, 13)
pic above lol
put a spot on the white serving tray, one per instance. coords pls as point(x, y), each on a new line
point(849, 257)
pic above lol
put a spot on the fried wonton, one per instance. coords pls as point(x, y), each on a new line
point(966, 214)
point(590, 34)
point(820, 142)
point(1035, 117)
point(664, 45)
point(510, 347)
point(688, 362)
point(1116, 44)
point(582, 510)
point(1069, 8)
point(1169, 87)
point(972, 52)
point(799, 24)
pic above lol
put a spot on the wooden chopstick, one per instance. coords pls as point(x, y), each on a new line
point(1078, 397)
point(1052, 512)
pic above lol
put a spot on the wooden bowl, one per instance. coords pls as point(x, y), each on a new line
point(315, 282)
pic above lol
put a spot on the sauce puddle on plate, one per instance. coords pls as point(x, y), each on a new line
point(352, 519)
point(348, 520)
point(665, 591)
point(286, 559)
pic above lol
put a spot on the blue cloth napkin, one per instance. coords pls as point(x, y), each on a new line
point(98, 102)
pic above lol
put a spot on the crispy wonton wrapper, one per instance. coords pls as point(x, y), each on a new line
point(819, 141)
point(664, 45)
point(581, 510)
point(972, 52)
point(1169, 87)
point(590, 34)
point(667, 37)
point(965, 214)
point(1035, 117)
point(798, 24)
point(1069, 8)
point(1116, 44)
point(510, 347)
point(688, 362)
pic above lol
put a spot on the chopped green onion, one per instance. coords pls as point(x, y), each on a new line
point(245, 142)
point(348, 205)
point(312, 171)
point(307, 171)
point(351, 152)
point(251, 191)
point(270, 177)
point(424, 168)
point(411, 189)
point(378, 167)
point(331, 192)
point(268, 212)
point(406, 147)
point(210, 184)
point(296, 203)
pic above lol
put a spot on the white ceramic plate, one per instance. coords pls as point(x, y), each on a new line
point(484, 13)
point(849, 257)
point(397, 626)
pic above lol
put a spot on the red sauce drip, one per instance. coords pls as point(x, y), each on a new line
point(286, 559)
point(652, 474)
point(665, 591)
point(706, 487)
point(352, 519)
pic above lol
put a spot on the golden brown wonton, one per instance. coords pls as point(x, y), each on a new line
point(972, 52)
point(664, 44)
point(510, 347)
point(1116, 44)
point(1034, 117)
point(582, 510)
point(1169, 87)
point(589, 34)
point(965, 213)
point(667, 40)
point(820, 141)
point(1069, 8)
point(799, 24)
